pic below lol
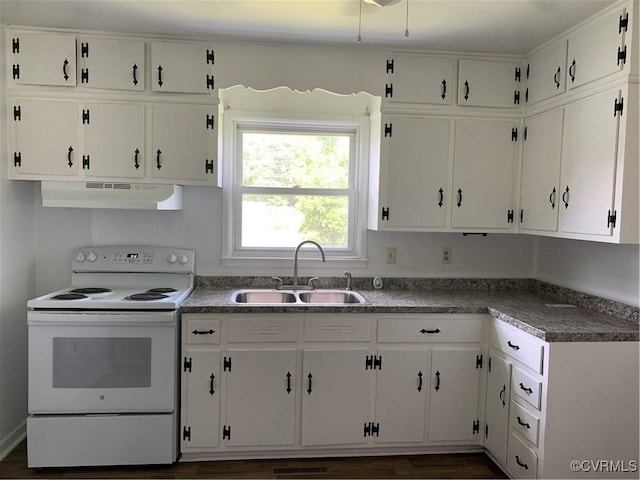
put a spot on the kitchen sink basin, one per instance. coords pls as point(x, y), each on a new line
point(267, 296)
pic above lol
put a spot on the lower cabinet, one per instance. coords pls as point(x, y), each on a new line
point(496, 428)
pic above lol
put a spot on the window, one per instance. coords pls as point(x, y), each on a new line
point(291, 178)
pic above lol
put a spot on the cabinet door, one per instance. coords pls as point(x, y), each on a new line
point(200, 398)
point(593, 50)
point(416, 169)
point(419, 79)
point(335, 397)
point(539, 196)
point(43, 59)
point(114, 140)
point(44, 138)
point(546, 73)
point(455, 387)
point(182, 67)
point(184, 139)
point(260, 401)
point(497, 407)
point(485, 155)
point(487, 84)
point(589, 150)
point(401, 395)
point(112, 63)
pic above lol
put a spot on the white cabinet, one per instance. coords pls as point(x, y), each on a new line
point(401, 394)
point(483, 173)
point(43, 138)
point(114, 135)
point(483, 83)
point(182, 67)
point(539, 194)
point(413, 179)
point(455, 388)
point(261, 390)
point(336, 397)
point(419, 79)
point(546, 73)
point(42, 58)
point(184, 140)
point(111, 63)
point(497, 406)
point(598, 49)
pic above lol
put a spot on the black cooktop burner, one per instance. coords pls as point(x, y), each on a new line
point(69, 296)
point(162, 290)
point(90, 290)
point(146, 296)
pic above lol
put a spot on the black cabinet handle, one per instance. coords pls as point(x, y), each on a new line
point(212, 378)
point(419, 381)
point(158, 153)
point(203, 332)
point(437, 387)
point(526, 389)
point(136, 163)
point(572, 71)
point(502, 392)
point(565, 197)
point(459, 198)
point(524, 424)
point(552, 198)
point(65, 64)
point(69, 160)
point(135, 74)
point(466, 90)
point(309, 389)
point(444, 88)
point(513, 345)
point(288, 382)
point(423, 331)
point(160, 75)
point(523, 465)
point(556, 78)
point(441, 201)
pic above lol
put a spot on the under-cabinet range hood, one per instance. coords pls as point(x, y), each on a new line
point(111, 195)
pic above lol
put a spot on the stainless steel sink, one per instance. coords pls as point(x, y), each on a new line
point(265, 296)
point(323, 297)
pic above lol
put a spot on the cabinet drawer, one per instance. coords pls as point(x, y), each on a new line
point(526, 387)
point(262, 329)
point(517, 345)
point(521, 460)
point(337, 329)
point(202, 330)
point(524, 422)
point(437, 328)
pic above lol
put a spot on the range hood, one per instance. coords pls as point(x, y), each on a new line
point(141, 196)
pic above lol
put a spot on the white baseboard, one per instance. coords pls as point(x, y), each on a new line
point(9, 442)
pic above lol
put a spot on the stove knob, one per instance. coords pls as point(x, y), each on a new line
point(92, 257)
point(183, 259)
point(172, 258)
point(80, 257)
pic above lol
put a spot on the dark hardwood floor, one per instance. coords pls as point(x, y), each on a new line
point(464, 465)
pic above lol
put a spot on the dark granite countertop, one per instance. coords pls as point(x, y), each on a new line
point(536, 313)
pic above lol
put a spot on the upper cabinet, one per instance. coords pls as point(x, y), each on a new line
point(182, 67)
point(546, 73)
point(419, 79)
point(598, 49)
point(483, 83)
point(42, 59)
point(112, 63)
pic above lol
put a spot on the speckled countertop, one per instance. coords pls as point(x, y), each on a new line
point(529, 305)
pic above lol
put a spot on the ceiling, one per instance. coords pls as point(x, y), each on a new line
point(489, 26)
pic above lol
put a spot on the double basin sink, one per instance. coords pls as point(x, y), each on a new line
point(296, 297)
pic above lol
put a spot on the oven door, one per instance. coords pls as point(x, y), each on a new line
point(102, 362)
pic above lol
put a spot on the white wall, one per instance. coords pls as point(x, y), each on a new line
point(609, 271)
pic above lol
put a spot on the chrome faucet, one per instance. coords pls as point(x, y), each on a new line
point(295, 265)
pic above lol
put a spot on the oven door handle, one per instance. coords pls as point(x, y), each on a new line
point(128, 319)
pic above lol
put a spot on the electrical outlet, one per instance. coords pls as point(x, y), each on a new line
point(446, 255)
point(391, 255)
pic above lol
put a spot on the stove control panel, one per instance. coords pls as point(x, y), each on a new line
point(133, 259)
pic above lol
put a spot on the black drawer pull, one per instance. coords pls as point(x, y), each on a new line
point(523, 465)
point(203, 332)
point(524, 424)
point(526, 389)
point(437, 330)
point(513, 345)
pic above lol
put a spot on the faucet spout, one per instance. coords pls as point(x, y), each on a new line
point(295, 262)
